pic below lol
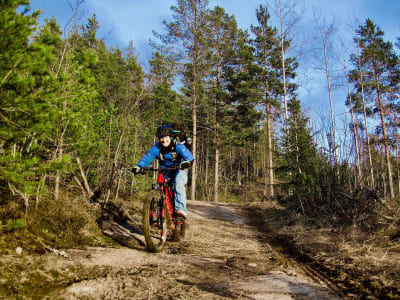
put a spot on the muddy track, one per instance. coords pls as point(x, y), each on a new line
point(224, 256)
point(220, 259)
point(345, 282)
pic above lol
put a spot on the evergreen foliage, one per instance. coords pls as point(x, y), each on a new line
point(76, 113)
point(26, 108)
point(376, 77)
point(303, 164)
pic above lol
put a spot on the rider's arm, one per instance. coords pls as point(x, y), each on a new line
point(184, 152)
point(150, 155)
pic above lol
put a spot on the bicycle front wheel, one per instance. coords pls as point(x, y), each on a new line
point(154, 223)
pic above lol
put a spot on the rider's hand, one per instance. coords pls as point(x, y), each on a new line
point(136, 169)
point(184, 165)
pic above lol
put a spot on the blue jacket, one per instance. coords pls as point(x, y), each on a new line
point(182, 152)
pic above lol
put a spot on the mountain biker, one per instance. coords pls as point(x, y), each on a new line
point(170, 152)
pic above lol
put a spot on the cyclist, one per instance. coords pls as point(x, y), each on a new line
point(170, 152)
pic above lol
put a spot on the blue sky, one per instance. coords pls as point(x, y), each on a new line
point(125, 20)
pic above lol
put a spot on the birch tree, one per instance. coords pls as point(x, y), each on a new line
point(326, 32)
point(288, 15)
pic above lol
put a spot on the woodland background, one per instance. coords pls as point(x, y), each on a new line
point(76, 115)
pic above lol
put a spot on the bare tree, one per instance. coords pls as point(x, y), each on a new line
point(341, 58)
point(288, 14)
point(76, 12)
point(326, 32)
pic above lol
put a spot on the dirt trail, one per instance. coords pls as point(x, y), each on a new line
point(220, 259)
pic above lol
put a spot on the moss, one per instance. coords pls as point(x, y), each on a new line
point(21, 278)
point(67, 222)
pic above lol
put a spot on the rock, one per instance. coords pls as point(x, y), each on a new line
point(252, 265)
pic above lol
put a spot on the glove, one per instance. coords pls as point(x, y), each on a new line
point(184, 165)
point(136, 169)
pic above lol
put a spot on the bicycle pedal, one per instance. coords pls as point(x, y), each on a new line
point(180, 220)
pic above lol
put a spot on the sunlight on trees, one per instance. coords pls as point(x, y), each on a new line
point(76, 113)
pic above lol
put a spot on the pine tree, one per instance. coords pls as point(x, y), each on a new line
point(381, 78)
point(359, 104)
point(266, 45)
point(26, 107)
point(220, 36)
point(89, 32)
point(242, 114)
point(185, 38)
point(302, 160)
point(163, 98)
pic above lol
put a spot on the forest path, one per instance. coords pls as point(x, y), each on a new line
point(221, 258)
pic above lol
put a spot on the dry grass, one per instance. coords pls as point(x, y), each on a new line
point(67, 222)
point(372, 256)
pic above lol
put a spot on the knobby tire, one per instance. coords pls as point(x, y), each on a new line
point(155, 233)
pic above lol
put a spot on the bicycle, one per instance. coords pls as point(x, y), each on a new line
point(159, 214)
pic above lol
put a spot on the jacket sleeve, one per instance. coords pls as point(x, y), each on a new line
point(150, 155)
point(184, 152)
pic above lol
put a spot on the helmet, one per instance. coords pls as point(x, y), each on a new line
point(163, 130)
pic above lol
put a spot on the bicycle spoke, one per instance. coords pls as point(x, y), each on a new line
point(154, 224)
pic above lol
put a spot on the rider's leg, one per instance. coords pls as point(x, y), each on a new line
point(181, 179)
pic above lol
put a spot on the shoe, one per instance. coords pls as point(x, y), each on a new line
point(181, 213)
point(180, 217)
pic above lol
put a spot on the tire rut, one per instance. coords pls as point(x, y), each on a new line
point(348, 284)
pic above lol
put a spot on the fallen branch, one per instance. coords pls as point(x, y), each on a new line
point(54, 251)
point(115, 229)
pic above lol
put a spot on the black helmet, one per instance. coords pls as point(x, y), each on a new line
point(163, 130)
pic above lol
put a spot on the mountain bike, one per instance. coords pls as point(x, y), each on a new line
point(159, 214)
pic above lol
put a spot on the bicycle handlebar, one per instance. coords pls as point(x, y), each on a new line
point(152, 169)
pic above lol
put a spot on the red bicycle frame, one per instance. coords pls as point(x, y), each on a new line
point(169, 198)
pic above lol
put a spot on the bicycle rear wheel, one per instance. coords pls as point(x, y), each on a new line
point(154, 224)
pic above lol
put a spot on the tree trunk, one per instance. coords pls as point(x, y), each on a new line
point(371, 168)
point(88, 190)
point(217, 125)
point(269, 150)
point(358, 157)
point(284, 80)
point(194, 119)
point(331, 103)
point(385, 138)
point(59, 155)
point(264, 161)
point(206, 175)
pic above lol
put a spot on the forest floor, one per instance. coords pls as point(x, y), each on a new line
point(230, 252)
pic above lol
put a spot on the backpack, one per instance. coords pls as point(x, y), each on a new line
point(179, 135)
